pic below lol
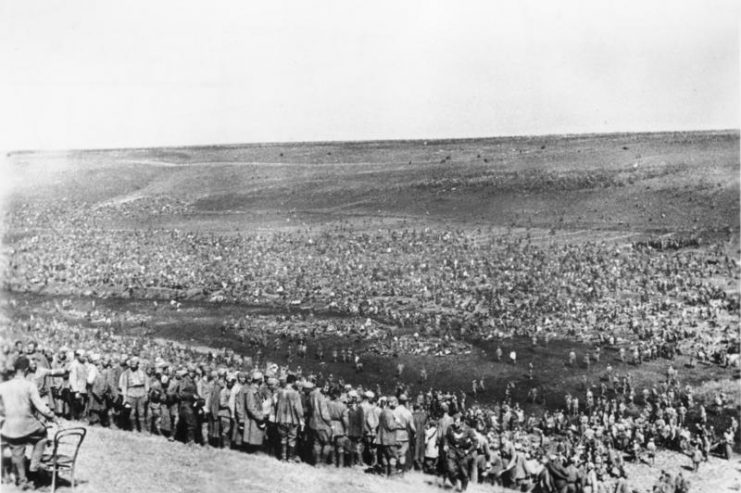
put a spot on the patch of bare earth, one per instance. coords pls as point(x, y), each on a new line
point(114, 461)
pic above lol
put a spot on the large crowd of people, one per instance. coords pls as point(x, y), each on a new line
point(462, 284)
point(408, 291)
point(226, 400)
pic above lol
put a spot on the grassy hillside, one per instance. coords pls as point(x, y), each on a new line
point(118, 462)
point(667, 182)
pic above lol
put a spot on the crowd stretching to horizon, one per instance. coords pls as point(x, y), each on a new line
point(449, 288)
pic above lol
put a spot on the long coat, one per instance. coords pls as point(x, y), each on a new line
point(288, 407)
point(319, 419)
point(250, 415)
point(387, 426)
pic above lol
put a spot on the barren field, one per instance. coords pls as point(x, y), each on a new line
point(579, 185)
point(131, 463)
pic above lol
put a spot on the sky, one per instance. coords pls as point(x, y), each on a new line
point(101, 74)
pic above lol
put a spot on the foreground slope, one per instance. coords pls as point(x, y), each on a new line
point(112, 461)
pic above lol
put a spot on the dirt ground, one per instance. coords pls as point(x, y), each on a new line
point(131, 463)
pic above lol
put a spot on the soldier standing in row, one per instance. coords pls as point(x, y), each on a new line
point(289, 416)
point(460, 445)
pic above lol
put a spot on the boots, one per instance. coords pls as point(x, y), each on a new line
point(324, 456)
point(284, 452)
point(339, 458)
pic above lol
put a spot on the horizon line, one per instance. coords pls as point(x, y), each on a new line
point(370, 141)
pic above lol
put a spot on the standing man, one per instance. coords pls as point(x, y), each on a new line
point(289, 416)
point(355, 428)
point(78, 385)
point(20, 403)
point(156, 399)
point(99, 398)
point(225, 412)
point(320, 426)
point(442, 431)
point(370, 426)
point(60, 385)
point(339, 420)
point(461, 444)
point(213, 405)
point(387, 442)
point(419, 416)
point(187, 395)
point(405, 431)
point(250, 418)
point(134, 385)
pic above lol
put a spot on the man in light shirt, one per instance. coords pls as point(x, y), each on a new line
point(78, 385)
point(20, 403)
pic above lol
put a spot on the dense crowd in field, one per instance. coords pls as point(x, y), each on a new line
point(225, 400)
point(445, 287)
point(440, 283)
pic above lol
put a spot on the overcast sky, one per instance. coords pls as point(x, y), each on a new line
point(80, 74)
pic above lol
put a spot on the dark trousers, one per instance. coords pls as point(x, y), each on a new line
point(322, 446)
point(18, 451)
point(287, 436)
point(77, 405)
point(188, 421)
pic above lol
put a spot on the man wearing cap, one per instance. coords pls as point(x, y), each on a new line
point(387, 438)
point(78, 385)
point(187, 397)
point(118, 366)
point(99, 396)
point(92, 365)
point(405, 432)
point(445, 421)
point(171, 419)
point(20, 404)
point(320, 427)
point(355, 428)
point(289, 416)
point(225, 412)
point(339, 417)
point(460, 446)
point(234, 396)
point(134, 385)
point(420, 418)
point(109, 375)
point(250, 417)
point(213, 402)
point(370, 427)
point(155, 399)
point(59, 386)
point(268, 395)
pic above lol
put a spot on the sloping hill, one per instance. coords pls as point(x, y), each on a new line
point(660, 183)
point(120, 462)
